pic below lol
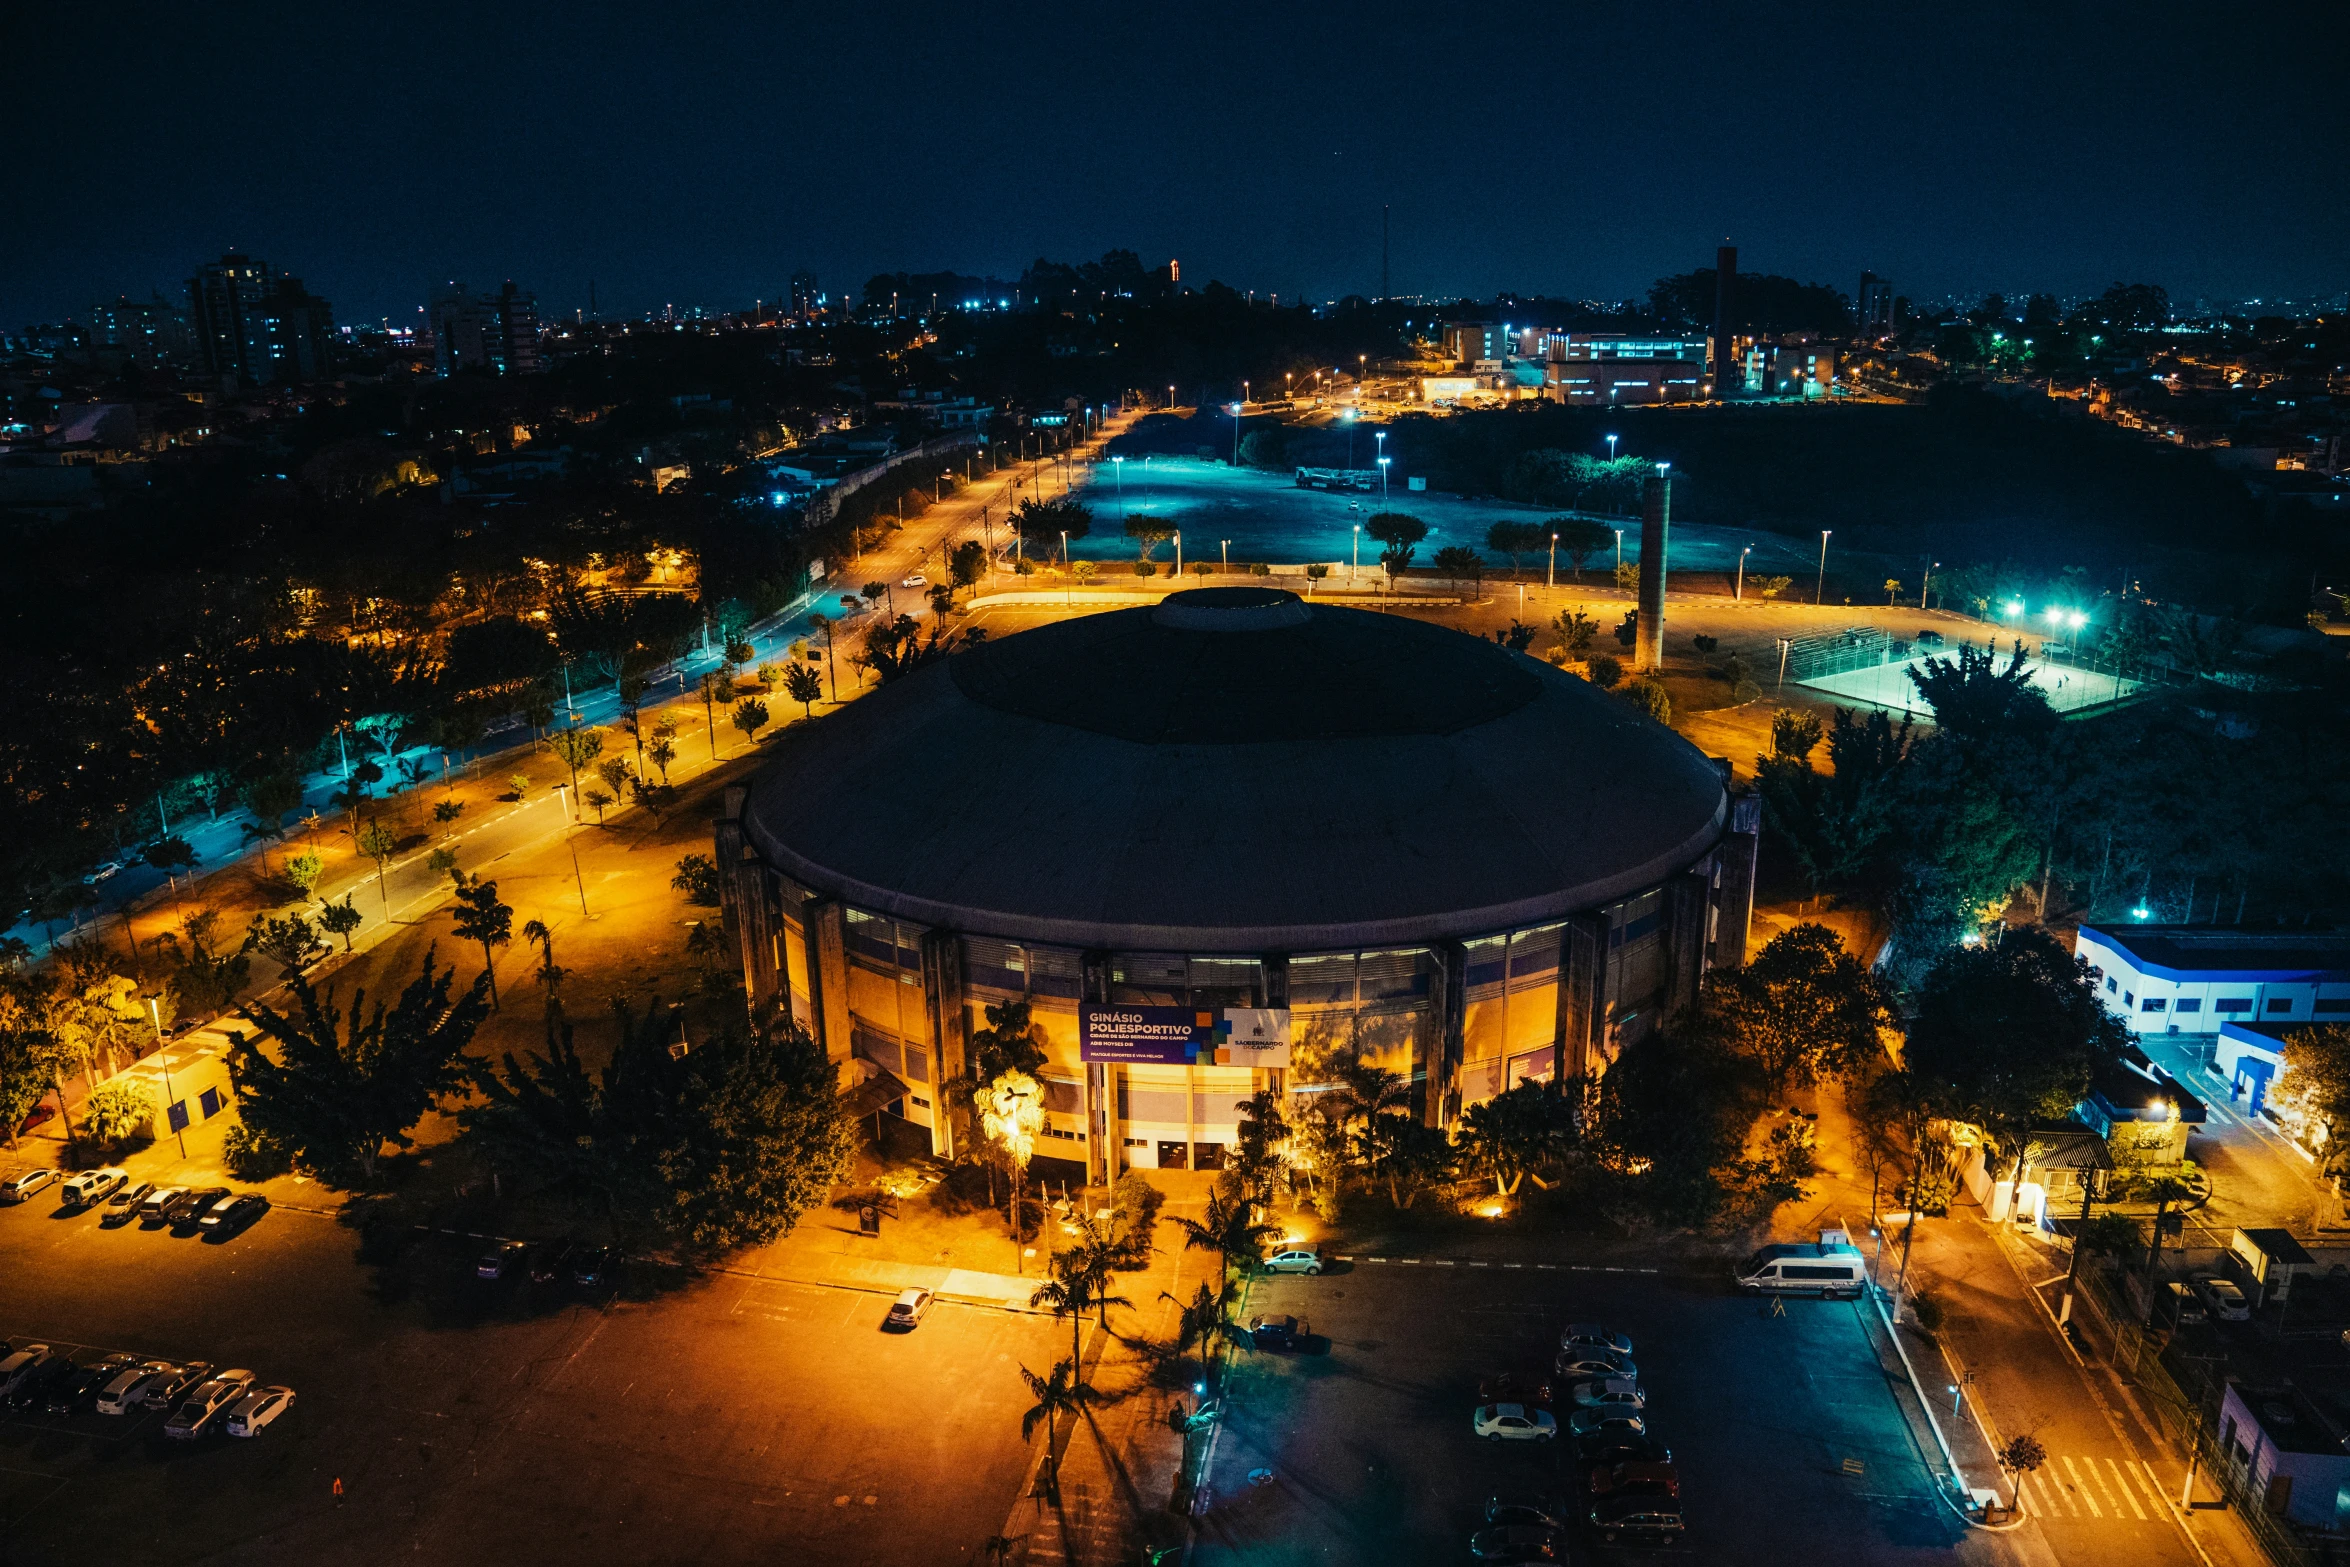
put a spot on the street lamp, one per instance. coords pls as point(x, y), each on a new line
point(1236, 435)
point(1611, 448)
point(1226, 546)
point(1118, 471)
point(1739, 592)
point(1552, 585)
point(1357, 569)
point(1383, 480)
point(163, 1058)
point(1818, 592)
point(1178, 557)
point(1619, 549)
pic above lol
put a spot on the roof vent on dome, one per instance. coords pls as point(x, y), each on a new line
point(1231, 609)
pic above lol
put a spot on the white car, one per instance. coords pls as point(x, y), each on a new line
point(257, 1410)
point(1513, 1423)
point(908, 1310)
point(2227, 1302)
point(1592, 1335)
point(1576, 1364)
point(917, 580)
point(20, 1188)
point(91, 1187)
point(22, 1364)
point(128, 1391)
point(105, 872)
point(1295, 1259)
point(1610, 1393)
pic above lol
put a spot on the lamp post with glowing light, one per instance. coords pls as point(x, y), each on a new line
point(1739, 592)
point(1356, 570)
point(1118, 471)
point(1382, 481)
point(1552, 585)
point(1818, 594)
point(1611, 448)
point(1619, 549)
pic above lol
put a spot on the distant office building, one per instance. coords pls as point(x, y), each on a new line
point(1608, 369)
point(256, 326)
point(803, 295)
point(154, 332)
point(1874, 306)
point(497, 332)
point(1472, 342)
point(1781, 364)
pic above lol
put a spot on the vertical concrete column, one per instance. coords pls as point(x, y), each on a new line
point(1582, 982)
point(1442, 1100)
point(942, 985)
point(1656, 521)
point(1105, 1153)
point(831, 950)
point(1734, 893)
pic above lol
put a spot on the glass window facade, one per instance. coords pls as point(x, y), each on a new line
point(1510, 1019)
point(889, 1011)
point(1377, 1007)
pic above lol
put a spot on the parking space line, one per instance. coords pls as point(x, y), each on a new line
point(2086, 1494)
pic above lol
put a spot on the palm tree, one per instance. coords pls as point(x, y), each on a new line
point(1200, 1320)
point(1068, 1294)
point(550, 975)
point(1096, 1256)
point(1230, 1229)
point(1056, 1395)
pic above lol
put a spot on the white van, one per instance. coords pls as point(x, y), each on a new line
point(1831, 1272)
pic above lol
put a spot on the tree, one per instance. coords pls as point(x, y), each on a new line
point(1459, 563)
point(482, 918)
point(1011, 1114)
point(550, 972)
point(2015, 1029)
point(2021, 1455)
point(2315, 1084)
point(118, 1109)
point(1576, 632)
point(1200, 1320)
point(1648, 694)
point(304, 869)
point(340, 919)
point(1397, 530)
point(577, 749)
point(1513, 1134)
point(446, 812)
point(1406, 1153)
point(171, 855)
point(1068, 1293)
point(1060, 1394)
point(1669, 1123)
point(376, 842)
point(269, 797)
point(756, 1137)
point(804, 686)
point(1517, 636)
point(333, 1096)
point(1043, 522)
point(1628, 580)
point(1974, 698)
point(1230, 1228)
point(750, 716)
point(898, 648)
point(1803, 1009)
point(1149, 533)
point(1580, 538)
point(204, 979)
point(291, 942)
point(1515, 537)
point(967, 563)
point(596, 800)
point(614, 770)
point(1256, 1150)
point(697, 878)
point(661, 753)
point(655, 798)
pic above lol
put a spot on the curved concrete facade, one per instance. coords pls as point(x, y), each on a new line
point(1440, 856)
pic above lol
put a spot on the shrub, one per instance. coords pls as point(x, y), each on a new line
point(1928, 1311)
point(1650, 698)
point(118, 1110)
point(1704, 643)
point(1605, 670)
point(1134, 1209)
point(1143, 568)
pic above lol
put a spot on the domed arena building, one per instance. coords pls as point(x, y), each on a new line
point(1213, 842)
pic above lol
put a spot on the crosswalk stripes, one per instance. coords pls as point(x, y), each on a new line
point(2094, 1488)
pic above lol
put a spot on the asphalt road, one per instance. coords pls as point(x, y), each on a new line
point(714, 1420)
point(1367, 1434)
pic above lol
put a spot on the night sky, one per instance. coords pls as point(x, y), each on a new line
point(698, 154)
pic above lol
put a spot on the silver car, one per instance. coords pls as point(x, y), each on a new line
point(128, 1390)
point(1295, 1259)
point(197, 1409)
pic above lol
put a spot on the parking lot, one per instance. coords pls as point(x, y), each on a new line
point(716, 1419)
point(1785, 1428)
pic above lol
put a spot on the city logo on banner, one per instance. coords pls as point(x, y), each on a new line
point(1184, 1036)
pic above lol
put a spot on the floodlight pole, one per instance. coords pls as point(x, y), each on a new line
point(1819, 593)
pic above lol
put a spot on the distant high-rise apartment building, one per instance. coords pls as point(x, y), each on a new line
point(803, 295)
point(494, 332)
point(255, 326)
point(1874, 306)
point(153, 331)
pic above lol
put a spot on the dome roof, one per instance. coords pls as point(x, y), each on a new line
point(1234, 769)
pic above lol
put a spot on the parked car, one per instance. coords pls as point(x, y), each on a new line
point(206, 1216)
point(165, 1390)
point(589, 1267)
point(203, 1402)
point(224, 1219)
point(128, 1390)
point(551, 1260)
point(1513, 1423)
point(1650, 1518)
point(1606, 1422)
point(1517, 1542)
point(2225, 1301)
point(33, 1391)
point(501, 1260)
point(1295, 1259)
point(20, 1188)
point(20, 1364)
point(1609, 1393)
point(1621, 1447)
point(1593, 1335)
point(255, 1411)
point(1540, 1514)
point(1576, 1364)
point(189, 1206)
point(2185, 1310)
point(1515, 1387)
point(91, 1186)
point(82, 1385)
point(1275, 1333)
point(159, 1203)
point(1634, 1478)
point(105, 872)
point(908, 1310)
point(124, 1205)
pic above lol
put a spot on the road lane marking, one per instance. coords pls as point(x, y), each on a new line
point(2104, 1486)
point(2085, 1494)
point(2127, 1494)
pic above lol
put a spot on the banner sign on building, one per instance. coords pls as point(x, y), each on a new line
point(1184, 1036)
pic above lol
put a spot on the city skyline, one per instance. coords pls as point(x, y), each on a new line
point(682, 170)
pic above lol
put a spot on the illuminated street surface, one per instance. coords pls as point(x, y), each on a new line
point(722, 1419)
point(1368, 1437)
point(1268, 518)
